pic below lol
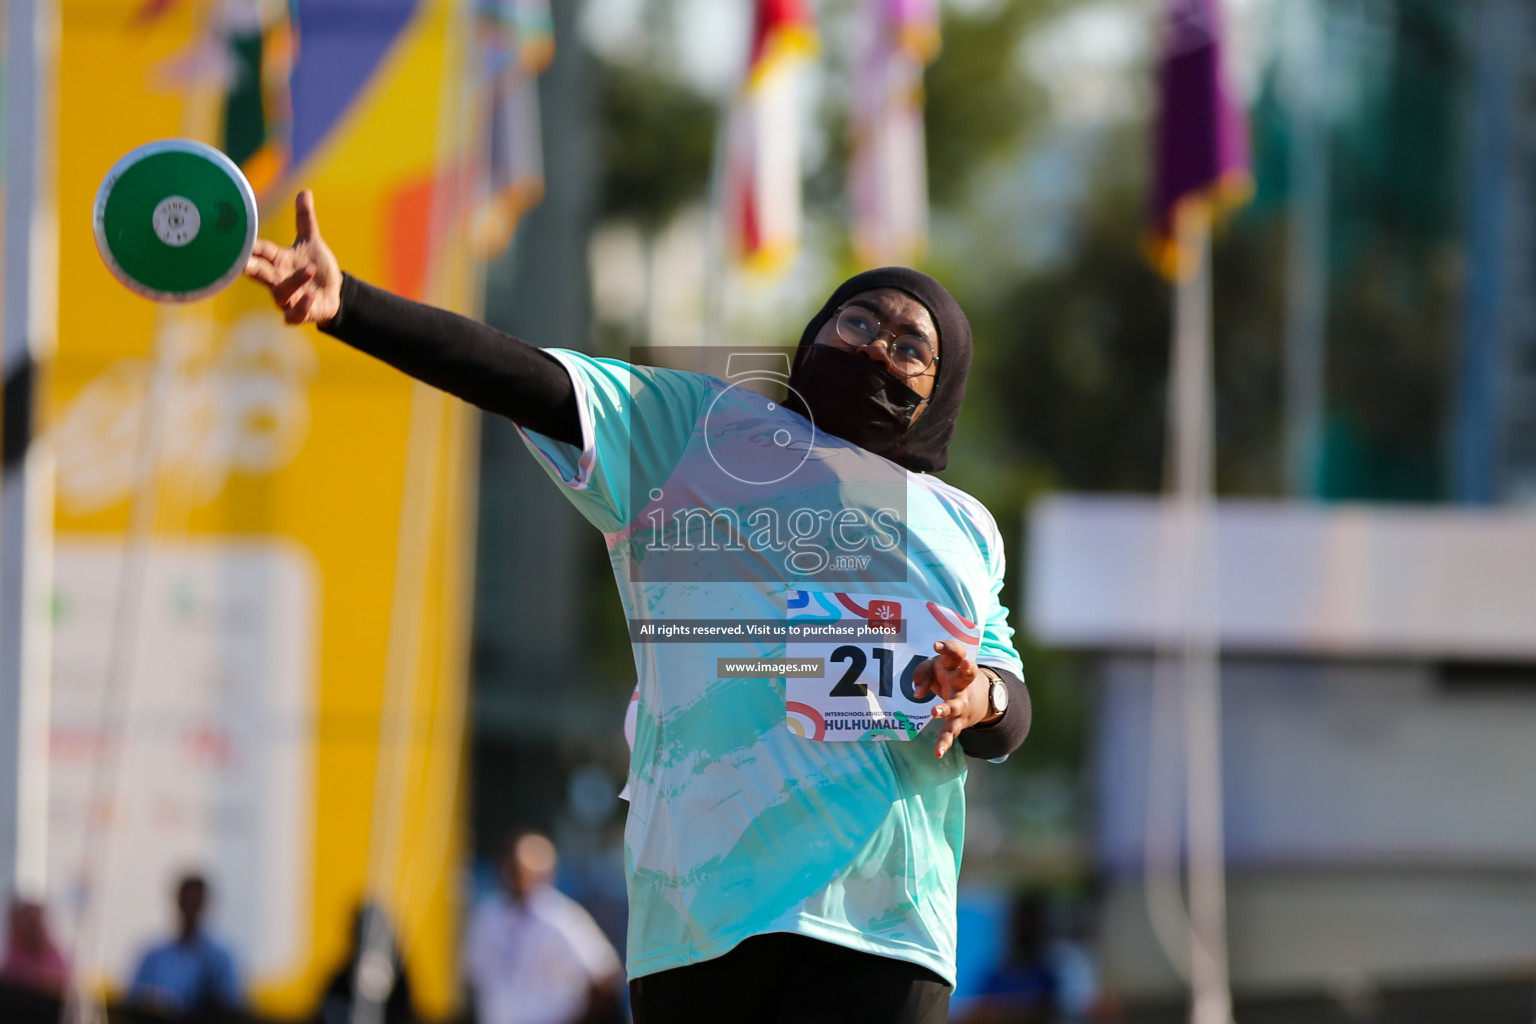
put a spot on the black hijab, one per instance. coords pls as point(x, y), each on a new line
point(925, 448)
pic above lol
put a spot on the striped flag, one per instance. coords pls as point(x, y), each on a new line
point(258, 106)
point(516, 42)
point(246, 50)
point(763, 164)
point(888, 175)
point(1202, 138)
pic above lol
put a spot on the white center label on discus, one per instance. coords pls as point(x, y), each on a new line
point(867, 691)
point(176, 221)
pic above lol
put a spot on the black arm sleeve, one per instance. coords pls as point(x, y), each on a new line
point(1005, 735)
point(463, 357)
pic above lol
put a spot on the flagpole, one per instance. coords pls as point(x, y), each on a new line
point(30, 318)
point(1194, 508)
point(715, 225)
point(1306, 307)
point(1201, 154)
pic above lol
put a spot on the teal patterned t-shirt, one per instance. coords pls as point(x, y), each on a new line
point(811, 806)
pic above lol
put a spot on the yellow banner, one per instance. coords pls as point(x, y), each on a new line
point(293, 629)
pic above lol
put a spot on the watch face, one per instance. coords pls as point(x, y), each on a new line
point(999, 695)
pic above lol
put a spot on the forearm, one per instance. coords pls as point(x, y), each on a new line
point(1005, 735)
point(481, 365)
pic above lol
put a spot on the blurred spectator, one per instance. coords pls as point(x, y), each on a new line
point(190, 975)
point(1025, 988)
point(1043, 979)
point(535, 956)
point(32, 960)
point(374, 970)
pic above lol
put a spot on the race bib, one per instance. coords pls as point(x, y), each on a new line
point(866, 689)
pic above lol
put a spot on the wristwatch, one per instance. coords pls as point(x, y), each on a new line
point(997, 695)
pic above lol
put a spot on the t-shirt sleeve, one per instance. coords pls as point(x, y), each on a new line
point(591, 946)
point(636, 422)
point(997, 634)
point(996, 650)
point(631, 723)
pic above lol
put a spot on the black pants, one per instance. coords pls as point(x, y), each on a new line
point(791, 979)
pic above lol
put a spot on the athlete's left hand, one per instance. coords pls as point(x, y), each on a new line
point(950, 675)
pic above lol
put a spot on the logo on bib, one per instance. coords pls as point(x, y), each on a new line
point(804, 721)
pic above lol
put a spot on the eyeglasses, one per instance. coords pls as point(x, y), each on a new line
point(910, 354)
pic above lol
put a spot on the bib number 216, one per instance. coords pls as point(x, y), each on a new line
point(857, 659)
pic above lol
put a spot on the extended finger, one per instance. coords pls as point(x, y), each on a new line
point(951, 654)
point(284, 291)
point(958, 677)
point(947, 736)
point(265, 250)
point(260, 270)
point(922, 679)
point(304, 215)
point(951, 707)
point(300, 310)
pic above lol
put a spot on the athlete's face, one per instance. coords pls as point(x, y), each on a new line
point(899, 316)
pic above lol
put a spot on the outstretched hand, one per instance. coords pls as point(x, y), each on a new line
point(950, 675)
point(304, 279)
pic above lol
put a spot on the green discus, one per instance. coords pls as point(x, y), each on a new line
point(175, 220)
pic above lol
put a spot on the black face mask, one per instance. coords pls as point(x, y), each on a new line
point(852, 397)
point(865, 404)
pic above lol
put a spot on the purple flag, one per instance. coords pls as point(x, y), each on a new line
point(1202, 136)
point(342, 43)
